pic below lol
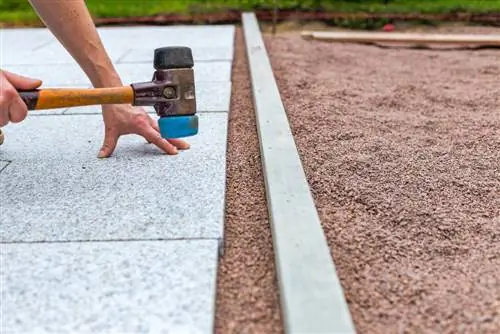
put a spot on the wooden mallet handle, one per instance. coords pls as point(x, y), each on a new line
point(52, 98)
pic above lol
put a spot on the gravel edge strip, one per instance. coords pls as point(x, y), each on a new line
point(312, 298)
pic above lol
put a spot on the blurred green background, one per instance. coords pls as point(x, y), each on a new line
point(19, 11)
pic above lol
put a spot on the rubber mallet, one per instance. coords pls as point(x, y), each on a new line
point(171, 92)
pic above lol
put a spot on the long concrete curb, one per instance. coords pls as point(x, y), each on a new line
point(312, 298)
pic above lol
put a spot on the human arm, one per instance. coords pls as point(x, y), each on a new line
point(72, 25)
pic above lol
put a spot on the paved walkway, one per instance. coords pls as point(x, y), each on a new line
point(124, 244)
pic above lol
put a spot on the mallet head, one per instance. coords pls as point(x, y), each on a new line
point(171, 92)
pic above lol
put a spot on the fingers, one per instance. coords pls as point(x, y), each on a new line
point(12, 108)
point(154, 137)
point(21, 82)
point(180, 144)
point(18, 110)
point(109, 144)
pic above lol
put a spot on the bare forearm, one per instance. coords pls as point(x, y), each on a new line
point(72, 25)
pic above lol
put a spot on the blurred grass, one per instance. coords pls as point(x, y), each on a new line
point(19, 11)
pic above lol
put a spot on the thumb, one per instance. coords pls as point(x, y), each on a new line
point(21, 82)
point(109, 144)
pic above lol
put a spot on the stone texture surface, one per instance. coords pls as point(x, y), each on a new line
point(151, 37)
point(54, 54)
point(50, 53)
point(24, 39)
point(119, 287)
point(33, 47)
point(56, 188)
point(53, 75)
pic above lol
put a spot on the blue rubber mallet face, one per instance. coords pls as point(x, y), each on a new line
point(178, 126)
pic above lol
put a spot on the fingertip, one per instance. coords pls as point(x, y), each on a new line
point(180, 144)
point(103, 154)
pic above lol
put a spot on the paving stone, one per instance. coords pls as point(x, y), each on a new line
point(71, 75)
point(50, 54)
point(57, 190)
point(210, 97)
point(54, 53)
point(23, 39)
point(150, 37)
point(53, 75)
point(109, 287)
point(35, 46)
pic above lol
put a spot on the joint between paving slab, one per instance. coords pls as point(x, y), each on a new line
point(38, 47)
point(312, 297)
point(7, 163)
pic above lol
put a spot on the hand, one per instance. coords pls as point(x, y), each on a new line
point(124, 119)
point(12, 107)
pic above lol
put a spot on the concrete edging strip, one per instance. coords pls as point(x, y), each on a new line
point(312, 298)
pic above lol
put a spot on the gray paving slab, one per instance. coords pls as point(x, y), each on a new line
point(53, 75)
point(123, 37)
point(57, 190)
point(155, 36)
point(23, 39)
point(34, 47)
point(71, 74)
point(210, 97)
point(108, 287)
point(52, 53)
point(312, 297)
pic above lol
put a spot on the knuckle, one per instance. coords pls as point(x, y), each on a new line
point(141, 121)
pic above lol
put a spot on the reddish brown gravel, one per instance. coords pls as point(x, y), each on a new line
point(402, 151)
point(247, 296)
